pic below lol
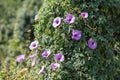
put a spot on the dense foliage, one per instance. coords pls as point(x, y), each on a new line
point(102, 25)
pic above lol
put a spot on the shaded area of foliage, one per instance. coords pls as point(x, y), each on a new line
point(81, 62)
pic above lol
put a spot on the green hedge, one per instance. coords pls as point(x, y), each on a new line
point(81, 62)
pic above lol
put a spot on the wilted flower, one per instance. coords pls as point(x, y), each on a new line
point(59, 57)
point(33, 45)
point(46, 53)
point(33, 62)
point(84, 14)
point(76, 34)
point(70, 18)
point(92, 44)
point(32, 55)
point(36, 17)
point(56, 22)
point(42, 71)
point(55, 66)
point(20, 58)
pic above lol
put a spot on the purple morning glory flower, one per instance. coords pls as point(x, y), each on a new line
point(76, 34)
point(56, 22)
point(20, 58)
point(59, 57)
point(46, 53)
point(92, 44)
point(42, 71)
point(84, 14)
point(33, 45)
point(70, 18)
point(55, 66)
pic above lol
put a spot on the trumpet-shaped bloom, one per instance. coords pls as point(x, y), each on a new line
point(84, 14)
point(36, 17)
point(42, 71)
point(55, 66)
point(59, 57)
point(33, 62)
point(56, 22)
point(76, 34)
point(46, 53)
point(92, 44)
point(20, 58)
point(33, 45)
point(70, 18)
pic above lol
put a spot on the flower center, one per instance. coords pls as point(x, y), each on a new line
point(75, 35)
point(69, 19)
point(56, 21)
point(59, 57)
point(83, 15)
point(92, 43)
point(34, 45)
point(45, 54)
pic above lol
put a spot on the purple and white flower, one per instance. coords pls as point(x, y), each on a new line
point(76, 34)
point(33, 45)
point(70, 18)
point(55, 66)
point(56, 22)
point(46, 53)
point(20, 58)
point(84, 14)
point(92, 44)
point(59, 57)
point(42, 71)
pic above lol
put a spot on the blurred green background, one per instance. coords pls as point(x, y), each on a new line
point(16, 30)
point(16, 25)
